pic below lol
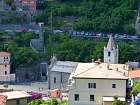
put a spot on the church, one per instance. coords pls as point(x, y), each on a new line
point(111, 52)
point(60, 71)
point(100, 81)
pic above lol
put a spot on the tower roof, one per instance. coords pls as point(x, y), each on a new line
point(111, 43)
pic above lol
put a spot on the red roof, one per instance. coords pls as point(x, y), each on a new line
point(2, 100)
point(3, 54)
point(134, 73)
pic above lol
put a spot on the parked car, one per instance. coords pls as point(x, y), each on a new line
point(87, 33)
point(78, 33)
point(74, 33)
point(82, 32)
point(58, 31)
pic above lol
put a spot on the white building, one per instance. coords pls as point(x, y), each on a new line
point(111, 52)
point(59, 73)
point(97, 83)
point(5, 74)
point(4, 58)
point(133, 65)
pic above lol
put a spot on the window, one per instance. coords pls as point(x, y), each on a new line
point(54, 80)
point(94, 85)
point(91, 97)
point(43, 74)
point(17, 102)
point(76, 97)
point(5, 72)
point(91, 85)
point(113, 85)
point(109, 53)
point(5, 65)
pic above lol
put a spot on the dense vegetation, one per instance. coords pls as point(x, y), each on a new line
point(135, 89)
point(19, 47)
point(14, 17)
point(49, 102)
point(84, 50)
point(93, 15)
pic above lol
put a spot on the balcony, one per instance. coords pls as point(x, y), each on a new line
point(7, 78)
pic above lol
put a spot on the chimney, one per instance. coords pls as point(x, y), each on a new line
point(98, 61)
point(92, 60)
point(107, 66)
point(124, 74)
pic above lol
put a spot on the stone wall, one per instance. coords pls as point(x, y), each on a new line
point(28, 74)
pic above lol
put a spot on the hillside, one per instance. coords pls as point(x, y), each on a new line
point(96, 15)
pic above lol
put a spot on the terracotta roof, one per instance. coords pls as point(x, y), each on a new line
point(101, 71)
point(16, 94)
point(3, 54)
point(134, 73)
point(2, 100)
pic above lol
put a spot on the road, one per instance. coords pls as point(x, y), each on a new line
point(18, 27)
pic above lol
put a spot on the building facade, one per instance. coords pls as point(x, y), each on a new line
point(28, 5)
point(59, 73)
point(111, 52)
point(5, 74)
point(17, 97)
point(97, 84)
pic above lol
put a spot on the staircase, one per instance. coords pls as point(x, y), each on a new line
point(38, 44)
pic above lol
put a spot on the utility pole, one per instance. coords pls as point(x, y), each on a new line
point(109, 23)
point(51, 22)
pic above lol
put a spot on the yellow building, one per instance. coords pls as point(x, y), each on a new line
point(97, 83)
point(17, 97)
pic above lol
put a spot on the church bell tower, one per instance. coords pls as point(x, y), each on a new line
point(111, 52)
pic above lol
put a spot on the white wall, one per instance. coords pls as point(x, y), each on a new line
point(113, 56)
point(5, 60)
point(133, 64)
point(59, 76)
point(103, 88)
point(4, 68)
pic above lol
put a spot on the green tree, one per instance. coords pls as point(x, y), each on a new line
point(117, 101)
point(13, 7)
point(135, 89)
point(126, 51)
point(52, 101)
point(8, 2)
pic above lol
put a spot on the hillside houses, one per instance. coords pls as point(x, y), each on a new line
point(5, 74)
